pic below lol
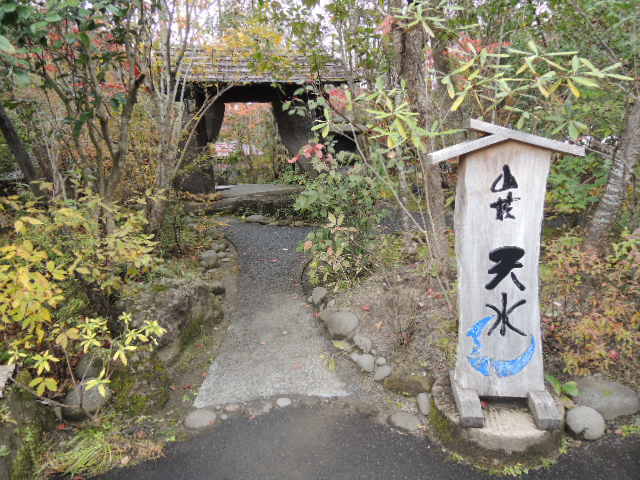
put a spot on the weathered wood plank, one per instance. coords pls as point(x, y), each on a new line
point(554, 145)
point(464, 148)
point(545, 412)
point(468, 404)
point(499, 205)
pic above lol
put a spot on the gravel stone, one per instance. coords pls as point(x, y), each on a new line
point(382, 372)
point(424, 403)
point(218, 288)
point(404, 421)
point(381, 361)
point(318, 296)
point(609, 398)
point(363, 343)
point(341, 324)
point(231, 408)
point(585, 422)
point(365, 361)
point(199, 419)
point(283, 402)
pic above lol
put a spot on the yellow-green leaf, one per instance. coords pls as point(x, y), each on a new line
point(573, 88)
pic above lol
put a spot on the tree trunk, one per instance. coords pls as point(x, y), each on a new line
point(22, 156)
point(606, 214)
point(410, 48)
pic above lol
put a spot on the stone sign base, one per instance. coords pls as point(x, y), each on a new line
point(509, 428)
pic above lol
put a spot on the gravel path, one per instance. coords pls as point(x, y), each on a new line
point(274, 346)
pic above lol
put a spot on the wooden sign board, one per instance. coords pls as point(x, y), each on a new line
point(498, 220)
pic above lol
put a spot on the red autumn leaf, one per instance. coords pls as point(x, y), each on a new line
point(366, 308)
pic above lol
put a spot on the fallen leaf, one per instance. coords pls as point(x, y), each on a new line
point(378, 325)
point(125, 460)
point(366, 308)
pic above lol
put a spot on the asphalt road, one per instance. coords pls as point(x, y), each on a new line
point(325, 443)
point(328, 442)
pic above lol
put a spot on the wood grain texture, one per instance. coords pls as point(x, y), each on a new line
point(545, 412)
point(478, 232)
point(464, 148)
point(556, 146)
point(468, 405)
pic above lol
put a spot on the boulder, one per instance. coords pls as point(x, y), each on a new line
point(404, 421)
point(81, 401)
point(181, 306)
point(341, 324)
point(609, 398)
point(585, 422)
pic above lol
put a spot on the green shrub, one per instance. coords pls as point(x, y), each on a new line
point(62, 268)
point(345, 199)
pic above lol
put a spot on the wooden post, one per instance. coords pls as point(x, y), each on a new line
point(498, 219)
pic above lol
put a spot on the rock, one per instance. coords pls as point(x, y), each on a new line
point(258, 219)
point(382, 372)
point(209, 259)
point(585, 422)
point(365, 361)
point(318, 296)
point(231, 408)
point(199, 419)
point(217, 288)
point(181, 306)
point(298, 223)
point(283, 402)
point(88, 367)
point(331, 303)
point(218, 246)
point(341, 324)
point(407, 384)
point(266, 408)
point(224, 416)
point(424, 403)
point(363, 343)
point(91, 400)
point(404, 421)
point(381, 361)
point(609, 398)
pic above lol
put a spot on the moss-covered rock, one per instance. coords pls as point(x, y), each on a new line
point(142, 391)
point(408, 384)
point(23, 422)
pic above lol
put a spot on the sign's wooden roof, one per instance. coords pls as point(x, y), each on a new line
point(240, 66)
point(498, 135)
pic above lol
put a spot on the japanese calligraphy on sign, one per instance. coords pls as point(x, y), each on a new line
point(498, 219)
point(499, 208)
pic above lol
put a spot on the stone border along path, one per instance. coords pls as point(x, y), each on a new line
point(273, 346)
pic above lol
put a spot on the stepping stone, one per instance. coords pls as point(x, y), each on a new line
point(424, 403)
point(199, 419)
point(404, 421)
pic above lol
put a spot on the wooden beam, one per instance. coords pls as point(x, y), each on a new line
point(464, 148)
point(556, 146)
